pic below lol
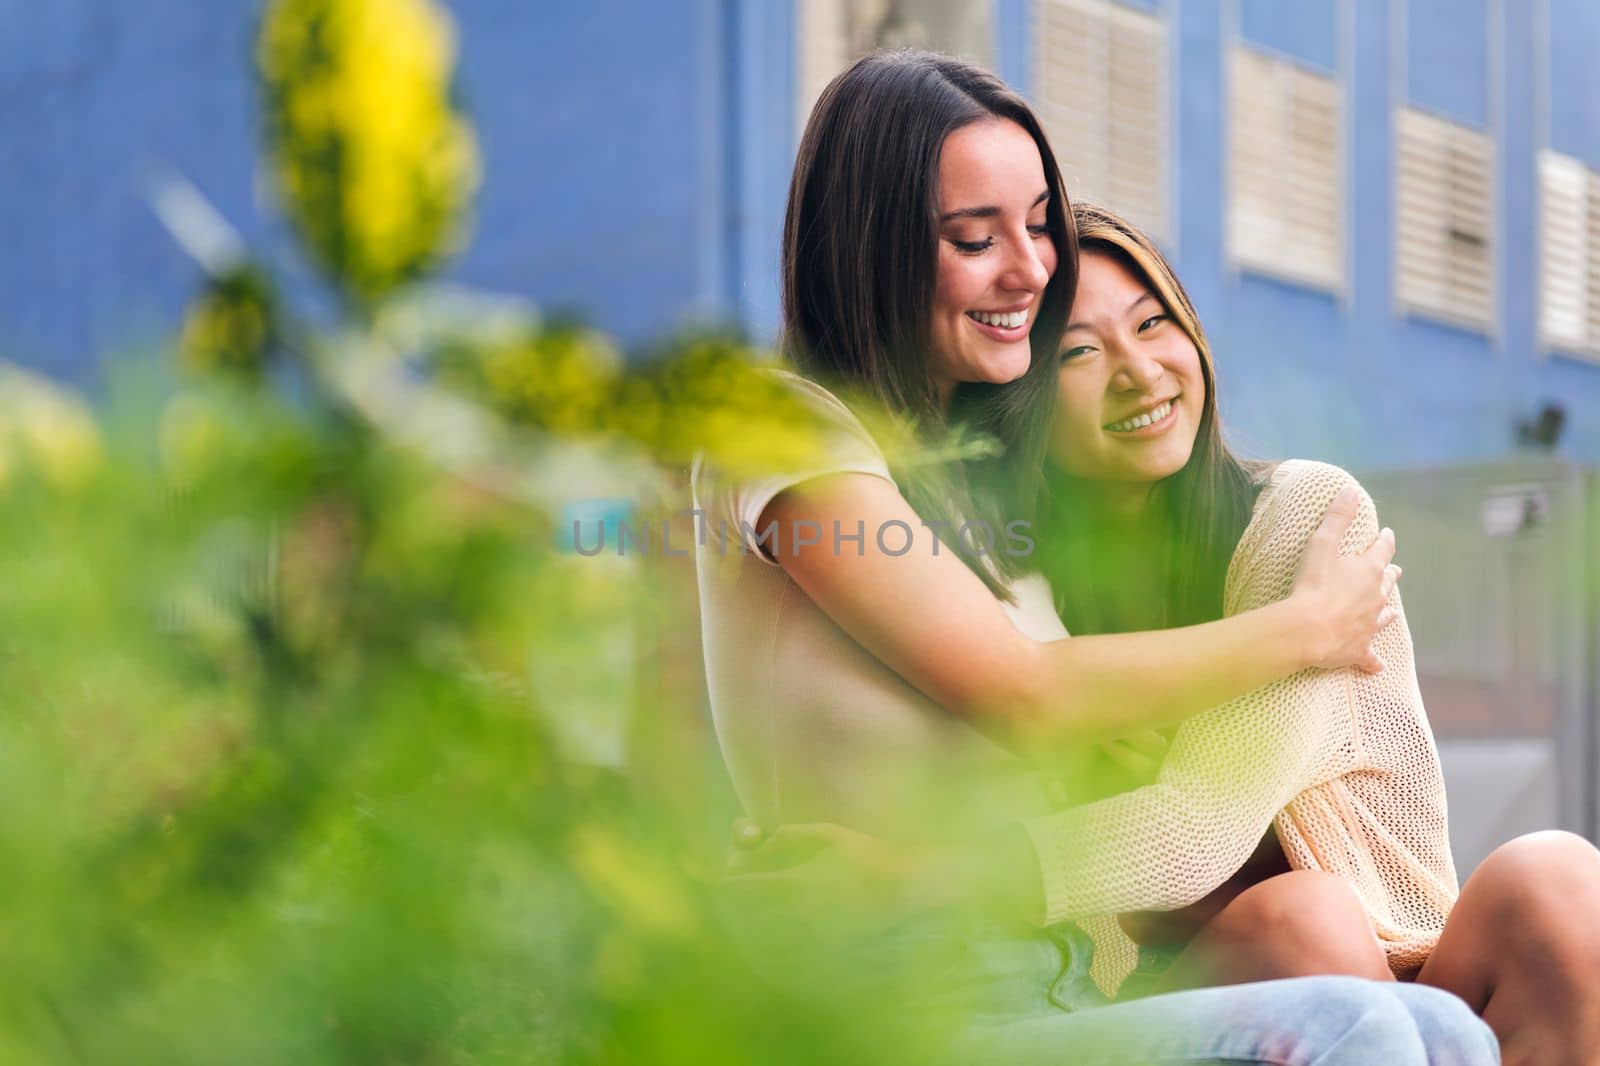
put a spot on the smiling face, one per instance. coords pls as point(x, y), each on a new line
point(1131, 391)
point(995, 254)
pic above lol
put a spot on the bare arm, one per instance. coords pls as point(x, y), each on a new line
point(930, 619)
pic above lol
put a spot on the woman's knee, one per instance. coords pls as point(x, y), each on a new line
point(1538, 897)
point(1298, 924)
point(1538, 878)
point(1550, 853)
point(1302, 904)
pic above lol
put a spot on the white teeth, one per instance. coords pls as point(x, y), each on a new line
point(1140, 421)
point(1009, 320)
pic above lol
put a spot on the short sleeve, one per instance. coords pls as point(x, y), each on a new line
point(845, 447)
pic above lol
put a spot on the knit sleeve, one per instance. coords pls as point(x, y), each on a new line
point(1229, 770)
point(1382, 826)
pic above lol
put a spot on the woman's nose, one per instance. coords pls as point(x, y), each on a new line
point(1025, 270)
point(1136, 371)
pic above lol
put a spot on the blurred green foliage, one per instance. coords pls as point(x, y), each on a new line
point(291, 664)
point(229, 326)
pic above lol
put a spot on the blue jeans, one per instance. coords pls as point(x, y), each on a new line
point(1018, 988)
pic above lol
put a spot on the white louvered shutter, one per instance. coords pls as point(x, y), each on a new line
point(1569, 255)
point(1444, 220)
point(832, 34)
point(1592, 267)
point(1100, 84)
point(823, 35)
point(1563, 235)
point(1285, 196)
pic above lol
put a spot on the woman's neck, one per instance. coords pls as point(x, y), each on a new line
point(1123, 505)
point(1116, 509)
point(1114, 575)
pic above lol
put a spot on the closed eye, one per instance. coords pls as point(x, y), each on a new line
point(1073, 353)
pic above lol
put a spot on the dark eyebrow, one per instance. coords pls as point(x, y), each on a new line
point(1143, 296)
point(989, 211)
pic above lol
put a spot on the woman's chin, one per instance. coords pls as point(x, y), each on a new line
point(1004, 366)
point(1165, 464)
point(1156, 464)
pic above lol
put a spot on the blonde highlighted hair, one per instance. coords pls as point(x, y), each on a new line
point(1206, 505)
point(1101, 230)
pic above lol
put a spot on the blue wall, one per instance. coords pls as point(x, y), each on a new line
point(611, 187)
point(1307, 31)
point(607, 182)
point(638, 158)
point(1572, 80)
point(1447, 57)
point(95, 100)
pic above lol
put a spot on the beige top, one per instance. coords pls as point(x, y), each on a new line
point(1341, 763)
point(811, 725)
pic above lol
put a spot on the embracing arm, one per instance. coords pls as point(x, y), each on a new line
point(1228, 773)
point(1231, 770)
point(932, 621)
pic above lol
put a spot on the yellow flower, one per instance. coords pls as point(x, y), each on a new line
point(562, 379)
point(370, 159)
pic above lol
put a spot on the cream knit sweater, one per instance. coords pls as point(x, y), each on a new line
point(1342, 764)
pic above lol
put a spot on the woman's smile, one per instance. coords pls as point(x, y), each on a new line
point(1148, 422)
point(1007, 326)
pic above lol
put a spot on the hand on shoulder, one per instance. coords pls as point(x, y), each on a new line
point(1346, 578)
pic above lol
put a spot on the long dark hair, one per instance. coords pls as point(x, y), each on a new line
point(1201, 511)
point(860, 254)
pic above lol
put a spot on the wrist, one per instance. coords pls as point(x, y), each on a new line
point(1299, 619)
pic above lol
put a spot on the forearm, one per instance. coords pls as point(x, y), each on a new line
point(1106, 686)
point(930, 619)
